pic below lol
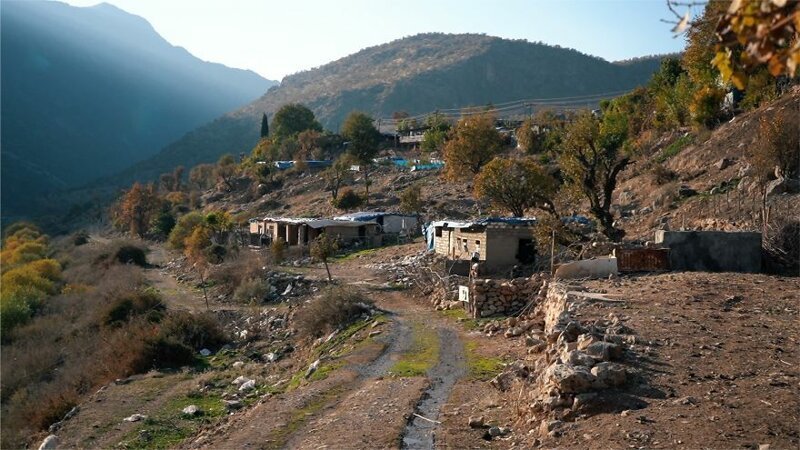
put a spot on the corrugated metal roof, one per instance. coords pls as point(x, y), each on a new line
point(323, 223)
point(370, 215)
point(523, 221)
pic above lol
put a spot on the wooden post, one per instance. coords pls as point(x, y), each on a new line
point(552, 252)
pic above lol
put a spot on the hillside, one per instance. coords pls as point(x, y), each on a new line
point(89, 91)
point(415, 74)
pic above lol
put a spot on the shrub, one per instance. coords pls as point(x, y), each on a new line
point(183, 229)
point(778, 146)
point(252, 290)
point(80, 238)
point(706, 106)
point(196, 331)
point(662, 175)
point(278, 250)
point(336, 308)
point(145, 304)
point(131, 254)
point(347, 200)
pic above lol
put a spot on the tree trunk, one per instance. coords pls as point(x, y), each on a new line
point(325, 261)
point(205, 293)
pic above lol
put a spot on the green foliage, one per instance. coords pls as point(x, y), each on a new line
point(347, 200)
point(474, 142)
point(184, 228)
point(411, 199)
point(278, 249)
point(324, 247)
point(145, 304)
point(706, 106)
point(761, 88)
point(358, 128)
point(516, 185)
point(674, 148)
point(436, 135)
point(264, 126)
point(292, 119)
point(163, 223)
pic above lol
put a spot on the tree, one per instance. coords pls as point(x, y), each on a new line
point(264, 125)
point(196, 250)
point(474, 142)
point(184, 228)
point(591, 157)
point(136, 209)
point(411, 199)
point(336, 175)
point(292, 119)
point(202, 176)
point(322, 248)
point(219, 223)
point(177, 176)
point(226, 170)
point(435, 136)
point(278, 249)
point(516, 185)
point(309, 143)
point(752, 33)
point(358, 128)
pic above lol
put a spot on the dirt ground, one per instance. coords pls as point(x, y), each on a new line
point(720, 358)
point(717, 354)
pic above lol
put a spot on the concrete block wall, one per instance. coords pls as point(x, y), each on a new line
point(712, 251)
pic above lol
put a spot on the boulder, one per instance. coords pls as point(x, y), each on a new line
point(581, 400)
point(604, 351)
point(585, 340)
point(135, 418)
point(248, 385)
point(476, 422)
point(49, 443)
point(312, 368)
point(570, 379)
point(579, 358)
point(609, 375)
point(192, 410)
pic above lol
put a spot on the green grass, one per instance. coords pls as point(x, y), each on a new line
point(169, 427)
point(353, 255)
point(480, 367)
point(460, 315)
point(279, 436)
point(423, 354)
point(674, 148)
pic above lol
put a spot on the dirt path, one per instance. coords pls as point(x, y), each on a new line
point(361, 406)
point(176, 295)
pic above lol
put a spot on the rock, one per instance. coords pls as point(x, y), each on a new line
point(581, 400)
point(513, 332)
point(238, 364)
point(205, 352)
point(685, 401)
point(248, 385)
point(240, 379)
point(502, 381)
point(604, 351)
point(609, 375)
point(49, 443)
point(549, 425)
point(192, 410)
point(476, 422)
point(579, 358)
point(570, 379)
point(495, 431)
point(585, 340)
point(232, 404)
point(763, 446)
point(723, 164)
point(135, 418)
point(312, 368)
point(374, 333)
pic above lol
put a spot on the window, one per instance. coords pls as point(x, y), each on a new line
point(438, 231)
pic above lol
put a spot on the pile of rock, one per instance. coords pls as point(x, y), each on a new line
point(282, 285)
point(493, 297)
point(406, 270)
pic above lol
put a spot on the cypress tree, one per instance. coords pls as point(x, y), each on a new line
point(264, 126)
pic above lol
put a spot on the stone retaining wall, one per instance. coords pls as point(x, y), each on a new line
point(496, 297)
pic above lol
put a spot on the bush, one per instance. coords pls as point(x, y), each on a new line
point(230, 275)
point(131, 254)
point(348, 200)
point(662, 175)
point(278, 250)
point(196, 331)
point(145, 304)
point(183, 229)
point(252, 290)
point(706, 107)
point(80, 238)
point(336, 308)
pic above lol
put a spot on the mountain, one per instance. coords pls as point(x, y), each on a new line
point(87, 92)
point(415, 74)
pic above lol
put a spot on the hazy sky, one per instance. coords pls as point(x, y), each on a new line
point(278, 38)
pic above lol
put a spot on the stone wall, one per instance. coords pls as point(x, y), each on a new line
point(499, 297)
point(712, 251)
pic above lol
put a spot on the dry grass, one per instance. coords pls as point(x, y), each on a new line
point(336, 308)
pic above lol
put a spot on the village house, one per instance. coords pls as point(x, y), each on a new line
point(301, 231)
point(390, 222)
point(498, 243)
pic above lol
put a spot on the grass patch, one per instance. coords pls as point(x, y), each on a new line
point(480, 367)
point(460, 315)
point(278, 437)
point(169, 427)
point(674, 148)
point(423, 354)
point(353, 255)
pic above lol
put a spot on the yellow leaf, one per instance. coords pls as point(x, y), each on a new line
point(739, 80)
point(775, 66)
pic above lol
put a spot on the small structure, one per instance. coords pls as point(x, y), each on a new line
point(390, 222)
point(642, 259)
point(712, 251)
point(301, 231)
point(496, 242)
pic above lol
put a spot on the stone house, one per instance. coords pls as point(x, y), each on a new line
point(498, 243)
point(301, 231)
point(390, 222)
